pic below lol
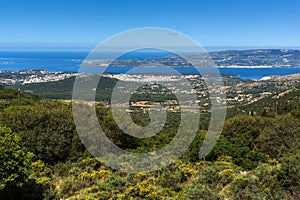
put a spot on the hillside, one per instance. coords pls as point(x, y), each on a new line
point(271, 105)
point(63, 89)
point(254, 157)
point(257, 57)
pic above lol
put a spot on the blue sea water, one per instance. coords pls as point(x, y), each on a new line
point(258, 73)
point(50, 61)
point(71, 61)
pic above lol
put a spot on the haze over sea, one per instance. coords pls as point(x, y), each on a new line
point(71, 60)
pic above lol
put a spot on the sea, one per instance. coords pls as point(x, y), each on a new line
point(70, 61)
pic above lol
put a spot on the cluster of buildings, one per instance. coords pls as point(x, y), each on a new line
point(32, 76)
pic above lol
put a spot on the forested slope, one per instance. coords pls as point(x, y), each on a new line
point(256, 157)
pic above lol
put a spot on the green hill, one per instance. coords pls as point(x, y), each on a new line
point(278, 103)
point(256, 157)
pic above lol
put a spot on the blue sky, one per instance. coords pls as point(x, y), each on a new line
point(83, 23)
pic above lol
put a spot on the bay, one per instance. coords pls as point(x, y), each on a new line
point(71, 61)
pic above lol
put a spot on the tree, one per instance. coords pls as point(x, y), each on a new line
point(15, 161)
point(15, 168)
point(46, 129)
point(239, 140)
point(282, 138)
point(289, 176)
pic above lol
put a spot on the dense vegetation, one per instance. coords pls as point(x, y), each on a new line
point(256, 157)
point(63, 89)
point(270, 106)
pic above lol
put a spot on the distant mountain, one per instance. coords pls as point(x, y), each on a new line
point(258, 57)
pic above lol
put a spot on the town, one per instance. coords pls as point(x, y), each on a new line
point(236, 91)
